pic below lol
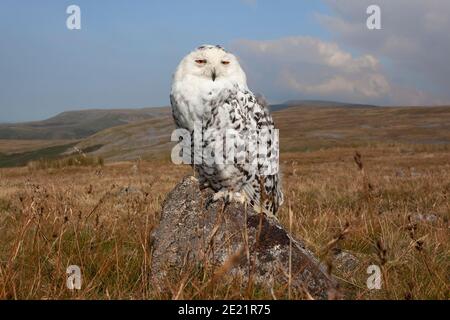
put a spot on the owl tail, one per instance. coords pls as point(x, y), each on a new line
point(260, 200)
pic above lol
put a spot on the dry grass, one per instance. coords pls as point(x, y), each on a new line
point(79, 160)
point(100, 218)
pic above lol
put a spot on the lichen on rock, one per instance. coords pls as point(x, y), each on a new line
point(194, 229)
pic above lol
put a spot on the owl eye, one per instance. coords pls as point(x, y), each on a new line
point(200, 61)
point(225, 62)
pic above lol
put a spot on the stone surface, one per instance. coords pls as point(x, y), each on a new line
point(195, 230)
point(345, 261)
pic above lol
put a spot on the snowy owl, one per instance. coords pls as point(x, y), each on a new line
point(210, 94)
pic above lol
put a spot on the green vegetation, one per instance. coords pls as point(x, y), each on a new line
point(76, 124)
point(80, 160)
point(22, 159)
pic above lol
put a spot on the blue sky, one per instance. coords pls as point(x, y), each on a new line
point(126, 52)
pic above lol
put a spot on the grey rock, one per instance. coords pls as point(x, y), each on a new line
point(195, 230)
point(345, 261)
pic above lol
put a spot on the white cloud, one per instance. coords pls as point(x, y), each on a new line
point(414, 41)
point(311, 68)
point(369, 86)
point(405, 63)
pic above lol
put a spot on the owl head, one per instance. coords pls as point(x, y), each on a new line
point(211, 63)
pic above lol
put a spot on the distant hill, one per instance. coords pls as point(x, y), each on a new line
point(317, 103)
point(142, 139)
point(302, 128)
point(308, 128)
point(77, 124)
point(130, 134)
point(74, 125)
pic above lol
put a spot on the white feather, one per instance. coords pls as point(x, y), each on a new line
point(209, 90)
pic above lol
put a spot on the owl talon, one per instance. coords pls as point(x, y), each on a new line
point(229, 196)
point(216, 197)
point(209, 202)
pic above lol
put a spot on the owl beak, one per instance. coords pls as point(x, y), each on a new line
point(214, 75)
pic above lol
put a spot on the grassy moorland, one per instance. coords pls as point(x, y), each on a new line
point(373, 183)
point(73, 125)
point(145, 133)
point(390, 207)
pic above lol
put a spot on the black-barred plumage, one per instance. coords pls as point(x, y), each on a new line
point(210, 98)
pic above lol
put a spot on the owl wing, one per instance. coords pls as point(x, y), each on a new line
point(177, 117)
point(258, 160)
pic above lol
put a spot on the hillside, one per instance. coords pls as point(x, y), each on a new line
point(301, 129)
point(84, 123)
point(76, 124)
point(146, 132)
point(143, 139)
point(310, 128)
point(317, 103)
